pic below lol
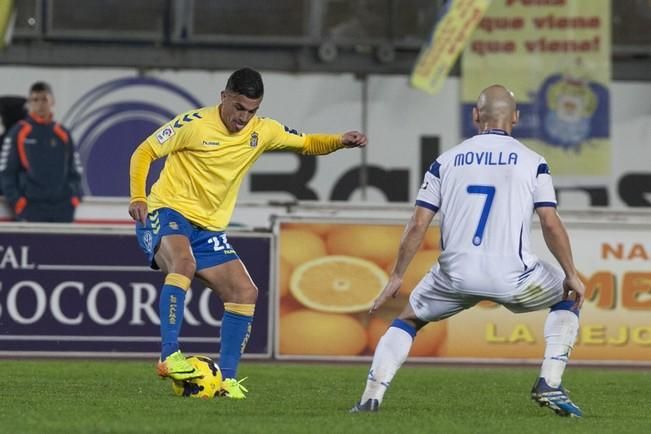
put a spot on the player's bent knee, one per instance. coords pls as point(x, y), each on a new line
point(566, 305)
point(248, 294)
point(185, 265)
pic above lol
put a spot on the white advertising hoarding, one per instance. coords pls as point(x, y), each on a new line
point(111, 110)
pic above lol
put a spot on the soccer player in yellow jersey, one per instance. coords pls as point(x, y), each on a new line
point(181, 224)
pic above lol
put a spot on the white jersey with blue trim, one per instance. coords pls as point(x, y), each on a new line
point(486, 190)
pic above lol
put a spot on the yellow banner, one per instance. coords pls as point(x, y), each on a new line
point(555, 56)
point(329, 273)
point(615, 322)
point(6, 13)
point(450, 35)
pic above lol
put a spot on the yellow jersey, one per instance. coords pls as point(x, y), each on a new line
point(206, 162)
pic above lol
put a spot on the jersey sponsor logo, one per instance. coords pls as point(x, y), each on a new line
point(165, 134)
point(210, 142)
point(254, 140)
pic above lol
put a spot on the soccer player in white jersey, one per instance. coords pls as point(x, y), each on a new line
point(486, 190)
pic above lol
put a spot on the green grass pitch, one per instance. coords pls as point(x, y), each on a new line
point(73, 396)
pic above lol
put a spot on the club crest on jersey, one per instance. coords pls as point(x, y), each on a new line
point(254, 140)
point(164, 134)
point(174, 226)
point(148, 240)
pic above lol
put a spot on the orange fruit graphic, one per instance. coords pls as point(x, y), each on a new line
point(289, 304)
point(429, 340)
point(284, 273)
point(307, 332)
point(377, 243)
point(419, 265)
point(298, 246)
point(337, 284)
point(432, 238)
point(375, 329)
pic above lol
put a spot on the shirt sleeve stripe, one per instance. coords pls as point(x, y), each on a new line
point(543, 169)
point(544, 204)
point(423, 204)
point(434, 169)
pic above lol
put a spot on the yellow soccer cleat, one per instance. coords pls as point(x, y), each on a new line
point(231, 388)
point(177, 367)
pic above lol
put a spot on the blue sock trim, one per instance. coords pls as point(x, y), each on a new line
point(565, 305)
point(171, 306)
point(402, 325)
point(235, 333)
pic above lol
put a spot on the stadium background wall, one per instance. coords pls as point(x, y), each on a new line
point(109, 110)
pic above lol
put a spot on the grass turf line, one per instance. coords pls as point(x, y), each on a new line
point(73, 396)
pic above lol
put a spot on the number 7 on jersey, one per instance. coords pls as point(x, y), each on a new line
point(489, 191)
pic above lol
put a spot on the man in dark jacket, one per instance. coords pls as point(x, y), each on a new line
point(40, 170)
point(12, 110)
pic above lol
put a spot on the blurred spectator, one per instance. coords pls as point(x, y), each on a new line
point(40, 170)
point(12, 109)
point(356, 20)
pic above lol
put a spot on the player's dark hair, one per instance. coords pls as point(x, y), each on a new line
point(41, 86)
point(247, 82)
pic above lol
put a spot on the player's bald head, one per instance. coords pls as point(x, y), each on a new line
point(496, 103)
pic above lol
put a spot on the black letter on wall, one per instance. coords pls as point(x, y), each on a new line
point(294, 183)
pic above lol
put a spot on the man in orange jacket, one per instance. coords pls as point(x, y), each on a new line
point(40, 170)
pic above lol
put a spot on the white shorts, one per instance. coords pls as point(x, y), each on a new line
point(433, 299)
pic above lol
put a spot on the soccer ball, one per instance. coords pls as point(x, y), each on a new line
point(207, 386)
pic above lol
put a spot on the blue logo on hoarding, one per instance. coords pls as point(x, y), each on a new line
point(572, 110)
point(108, 123)
point(565, 112)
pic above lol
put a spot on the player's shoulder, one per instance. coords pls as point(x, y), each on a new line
point(193, 118)
point(275, 126)
point(267, 122)
point(184, 123)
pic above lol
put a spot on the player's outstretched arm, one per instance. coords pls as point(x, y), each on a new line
point(411, 240)
point(558, 243)
point(322, 144)
point(139, 168)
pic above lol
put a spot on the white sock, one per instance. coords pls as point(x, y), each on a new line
point(390, 354)
point(561, 329)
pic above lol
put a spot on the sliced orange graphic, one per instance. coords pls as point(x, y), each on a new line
point(337, 284)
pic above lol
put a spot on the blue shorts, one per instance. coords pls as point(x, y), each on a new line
point(209, 248)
